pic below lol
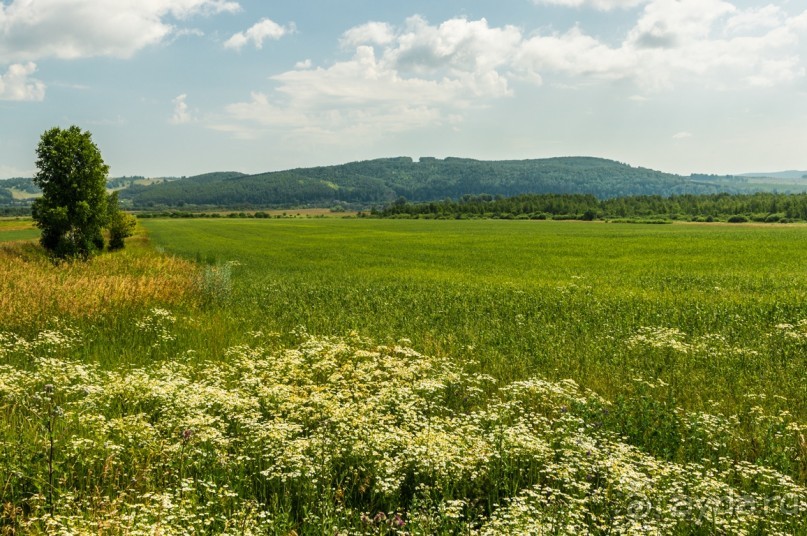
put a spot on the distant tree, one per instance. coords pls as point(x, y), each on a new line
point(73, 208)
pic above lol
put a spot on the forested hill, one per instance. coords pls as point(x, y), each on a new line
point(385, 180)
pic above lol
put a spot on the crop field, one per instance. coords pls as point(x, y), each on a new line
point(17, 229)
point(358, 376)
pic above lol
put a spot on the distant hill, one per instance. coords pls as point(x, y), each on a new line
point(384, 180)
point(387, 179)
point(792, 174)
point(22, 190)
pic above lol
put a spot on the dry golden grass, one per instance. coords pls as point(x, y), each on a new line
point(33, 287)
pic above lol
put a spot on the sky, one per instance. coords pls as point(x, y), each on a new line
point(182, 87)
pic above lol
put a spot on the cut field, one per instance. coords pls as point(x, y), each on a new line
point(357, 376)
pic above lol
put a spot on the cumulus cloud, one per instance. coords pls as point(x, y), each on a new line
point(257, 34)
point(602, 5)
point(17, 84)
point(419, 74)
point(68, 29)
point(574, 53)
point(377, 33)
point(753, 19)
point(398, 78)
point(709, 42)
point(672, 23)
point(182, 114)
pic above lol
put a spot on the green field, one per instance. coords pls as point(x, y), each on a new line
point(558, 299)
point(17, 229)
point(429, 377)
point(13, 235)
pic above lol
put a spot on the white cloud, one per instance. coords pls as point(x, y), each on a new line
point(682, 135)
point(574, 53)
point(470, 50)
point(377, 33)
point(17, 85)
point(766, 17)
point(711, 43)
point(364, 80)
point(182, 114)
point(257, 34)
point(799, 22)
point(419, 75)
point(602, 5)
point(68, 29)
point(673, 23)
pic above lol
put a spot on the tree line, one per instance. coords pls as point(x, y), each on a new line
point(762, 207)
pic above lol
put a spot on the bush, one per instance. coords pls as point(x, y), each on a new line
point(121, 226)
point(737, 218)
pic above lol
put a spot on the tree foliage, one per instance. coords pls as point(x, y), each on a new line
point(74, 207)
point(761, 207)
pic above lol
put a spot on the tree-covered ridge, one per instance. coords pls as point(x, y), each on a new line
point(768, 207)
point(384, 180)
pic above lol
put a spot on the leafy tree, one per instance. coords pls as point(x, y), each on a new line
point(73, 208)
point(120, 224)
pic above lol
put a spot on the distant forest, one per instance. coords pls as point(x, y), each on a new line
point(760, 207)
point(380, 182)
point(385, 180)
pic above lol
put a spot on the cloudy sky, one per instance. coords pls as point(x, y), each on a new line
point(179, 87)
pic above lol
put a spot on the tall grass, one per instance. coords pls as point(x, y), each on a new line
point(33, 289)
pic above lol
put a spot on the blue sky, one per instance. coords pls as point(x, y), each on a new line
point(180, 87)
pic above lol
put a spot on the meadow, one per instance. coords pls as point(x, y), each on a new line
point(310, 376)
point(17, 229)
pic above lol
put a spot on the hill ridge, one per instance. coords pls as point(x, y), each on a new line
point(383, 180)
